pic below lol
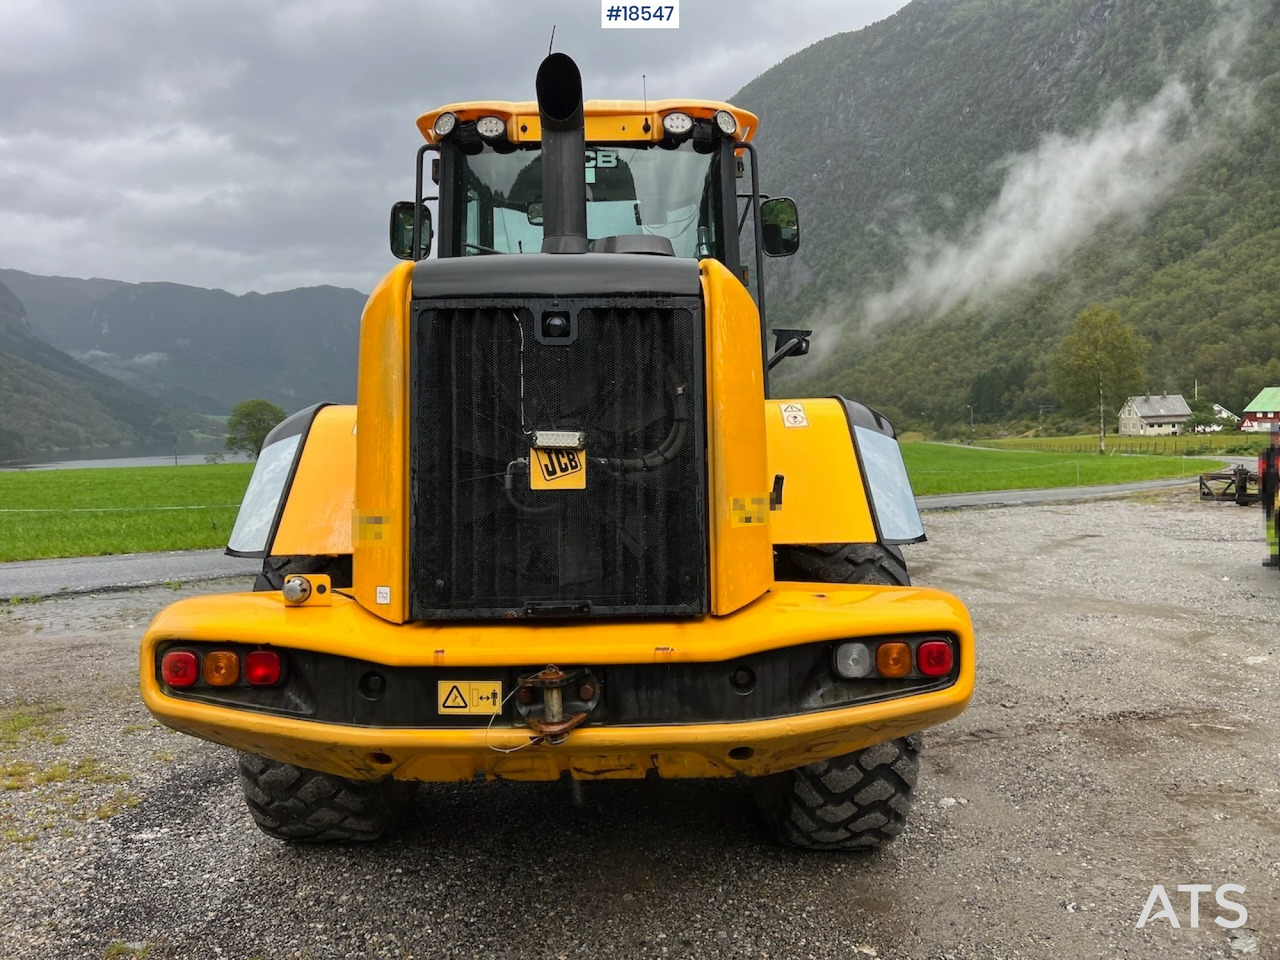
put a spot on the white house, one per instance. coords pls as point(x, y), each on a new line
point(1152, 416)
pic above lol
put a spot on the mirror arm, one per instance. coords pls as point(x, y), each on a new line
point(789, 343)
point(747, 209)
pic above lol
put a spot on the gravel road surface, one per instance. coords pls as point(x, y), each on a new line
point(30, 579)
point(1124, 734)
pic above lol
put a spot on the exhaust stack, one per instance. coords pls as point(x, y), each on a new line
point(564, 189)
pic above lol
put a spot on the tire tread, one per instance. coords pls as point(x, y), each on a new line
point(293, 803)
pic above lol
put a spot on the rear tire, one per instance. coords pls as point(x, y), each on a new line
point(858, 801)
point(841, 563)
point(293, 803)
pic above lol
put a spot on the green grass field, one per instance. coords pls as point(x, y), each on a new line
point(944, 468)
point(72, 513)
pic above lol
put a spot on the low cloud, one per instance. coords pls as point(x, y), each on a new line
point(1055, 198)
point(104, 358)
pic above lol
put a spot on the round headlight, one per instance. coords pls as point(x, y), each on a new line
point(677, 124)
point(445, 123)
point(491, 127)
point(727, 122)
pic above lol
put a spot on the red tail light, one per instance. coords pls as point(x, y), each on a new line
point(180, 668)
point(934, 658)
point(262, 668)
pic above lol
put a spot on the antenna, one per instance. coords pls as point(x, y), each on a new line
point(552, 43)
point(644, 87)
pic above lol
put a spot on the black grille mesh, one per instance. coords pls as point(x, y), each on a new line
point(634, 541)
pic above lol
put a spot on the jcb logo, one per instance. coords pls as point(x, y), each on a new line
point(601, 159)
point(558, 463)
point(558, 469)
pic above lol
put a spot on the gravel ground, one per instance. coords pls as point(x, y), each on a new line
point(1123, 734)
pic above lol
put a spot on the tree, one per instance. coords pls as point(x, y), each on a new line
point(1099, 361)
point(249, 424)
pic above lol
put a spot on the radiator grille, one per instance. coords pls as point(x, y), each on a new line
point(628, 376)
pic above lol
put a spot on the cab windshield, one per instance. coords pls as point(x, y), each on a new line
point(631, 189)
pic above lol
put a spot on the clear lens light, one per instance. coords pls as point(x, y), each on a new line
point(296, 589)
point(677, 124)
point(852, 660)
point(727, 122)
point(490, 127)
point(445, 123)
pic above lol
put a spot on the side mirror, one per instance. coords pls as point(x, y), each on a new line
point(402, 231)
point(780, 225)
point(534, 213)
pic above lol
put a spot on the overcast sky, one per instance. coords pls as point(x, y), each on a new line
point(258, 145)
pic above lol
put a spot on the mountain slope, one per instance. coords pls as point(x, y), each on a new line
point(52, 401)
point(972, 173)
point(204, 350)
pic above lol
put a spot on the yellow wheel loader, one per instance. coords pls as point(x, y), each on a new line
point(566, 531)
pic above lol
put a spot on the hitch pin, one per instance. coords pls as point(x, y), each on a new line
point(553, 698)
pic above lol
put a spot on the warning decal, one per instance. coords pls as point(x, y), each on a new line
point(469, 696)
point(454, 700)
point(793, 415)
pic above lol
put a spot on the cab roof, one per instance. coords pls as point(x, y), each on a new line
point(605, 120)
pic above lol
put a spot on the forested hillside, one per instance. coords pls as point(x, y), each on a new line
point(973, 173)
point(51, 401)
point(202, 350)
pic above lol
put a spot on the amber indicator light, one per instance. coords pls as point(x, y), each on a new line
point(221, 668)
point(893, 659)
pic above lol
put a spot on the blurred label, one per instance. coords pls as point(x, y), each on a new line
point(748, 511)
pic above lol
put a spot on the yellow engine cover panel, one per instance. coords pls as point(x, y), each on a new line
point(381, 518)
point(823, 499)
point(317, 515)
point(741, 548)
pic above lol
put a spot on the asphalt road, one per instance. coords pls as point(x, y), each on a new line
point(28, 579)
point(1123, 734)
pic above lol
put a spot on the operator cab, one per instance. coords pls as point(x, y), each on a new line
point(660, 179)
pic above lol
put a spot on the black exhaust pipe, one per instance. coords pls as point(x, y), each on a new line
point(564, 157)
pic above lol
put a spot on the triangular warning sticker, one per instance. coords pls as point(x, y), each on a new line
point(454, 700)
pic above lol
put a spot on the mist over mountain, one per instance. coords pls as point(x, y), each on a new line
point(972, 173)
point(202, 350)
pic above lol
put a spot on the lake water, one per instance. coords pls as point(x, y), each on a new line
point(140, 455)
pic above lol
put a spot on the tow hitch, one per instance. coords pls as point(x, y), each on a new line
point(552, 702)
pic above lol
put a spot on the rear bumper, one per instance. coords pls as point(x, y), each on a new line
point(791, 615)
